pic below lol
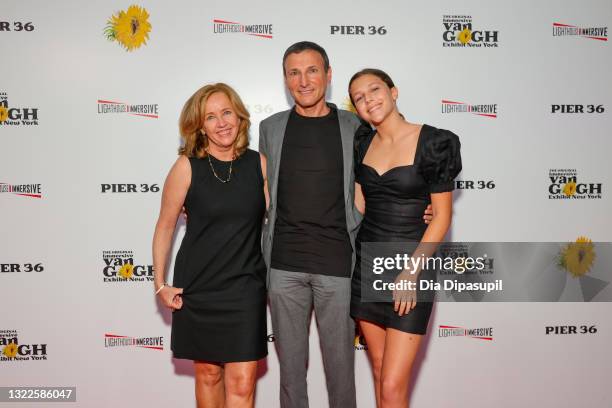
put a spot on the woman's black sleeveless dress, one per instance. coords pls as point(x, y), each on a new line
point(220, 265)
point(395, 203)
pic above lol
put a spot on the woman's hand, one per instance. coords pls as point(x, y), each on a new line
point(428, 214)
point(405, 299)
point(171, 297)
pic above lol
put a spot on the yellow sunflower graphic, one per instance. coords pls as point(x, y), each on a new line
point(3, 113)
point(130, 28)
point(569, 189)
point(10, 350)
point(578, 257)
point(465, 36)
point(357, 341)
point(348, 105)
point(360, 343)
point(126, 271)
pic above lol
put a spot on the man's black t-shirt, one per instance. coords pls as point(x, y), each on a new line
point(310, 233)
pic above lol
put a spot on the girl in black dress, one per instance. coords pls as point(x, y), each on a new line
point(400, 168)
point(218, 296)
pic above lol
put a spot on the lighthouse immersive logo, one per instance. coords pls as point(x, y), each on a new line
point(151, 343)
point(231, 27)
point(150, 110)
point(569, 30)
point(482, 333)
point(24, 190)
point(486, 110)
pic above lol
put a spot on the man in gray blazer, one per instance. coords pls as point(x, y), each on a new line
point(309, 234)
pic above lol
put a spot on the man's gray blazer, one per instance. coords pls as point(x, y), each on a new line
point(271, 135)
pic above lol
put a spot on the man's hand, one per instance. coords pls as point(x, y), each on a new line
point(406, 299)
point(428, 214)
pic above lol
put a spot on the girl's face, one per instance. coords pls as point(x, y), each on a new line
point(373, 99)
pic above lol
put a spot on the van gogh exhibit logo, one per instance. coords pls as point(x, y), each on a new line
point(16, 115)
point(119, 266)
point(565, 185)
point(459, 32)
point(129, 28)
point(12, 349)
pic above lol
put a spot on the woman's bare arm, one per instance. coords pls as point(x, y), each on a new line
point(173, 197)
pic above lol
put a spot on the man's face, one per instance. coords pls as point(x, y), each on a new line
point(306, 78)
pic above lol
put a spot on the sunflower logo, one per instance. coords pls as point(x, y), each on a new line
point(3, 113)
point(578, 257)
point(129, 28)
point(359, 342)
point(126, 271)
point(569, 189)
point(10, 350)
point(465, 36)
point(348, 105)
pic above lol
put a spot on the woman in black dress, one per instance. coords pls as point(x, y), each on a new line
point(400, 168)
point(218, 296)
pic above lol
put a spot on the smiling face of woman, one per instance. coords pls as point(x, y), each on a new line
point(373, 98)
point(221, 123)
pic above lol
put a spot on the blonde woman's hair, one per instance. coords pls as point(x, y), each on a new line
point(191, 121)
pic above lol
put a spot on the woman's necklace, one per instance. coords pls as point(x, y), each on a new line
point(229, 174)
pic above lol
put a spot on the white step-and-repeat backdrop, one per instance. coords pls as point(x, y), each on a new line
point(88, 132)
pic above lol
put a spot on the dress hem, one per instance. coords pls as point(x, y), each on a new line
point(241, 359)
